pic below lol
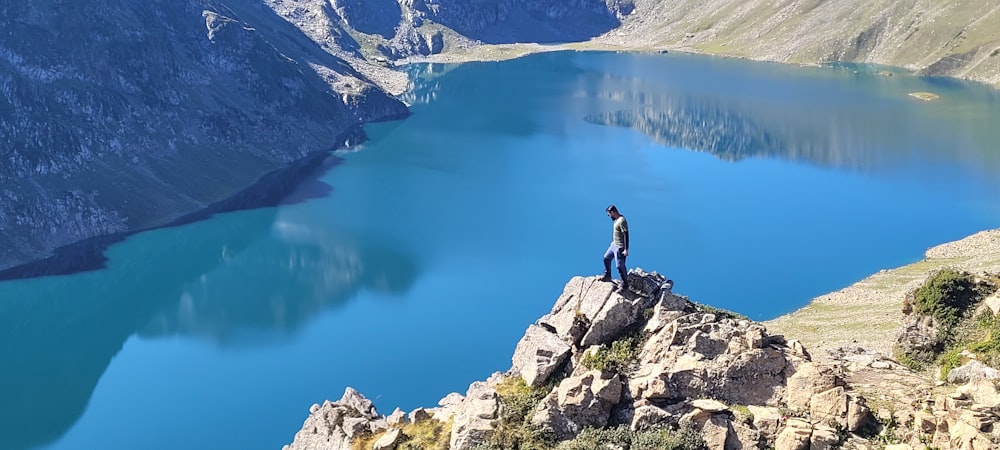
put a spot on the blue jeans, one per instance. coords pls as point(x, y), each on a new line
point(614, 252)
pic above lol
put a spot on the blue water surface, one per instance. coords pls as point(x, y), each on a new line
point(412, 265)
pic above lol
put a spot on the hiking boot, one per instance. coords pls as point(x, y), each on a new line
point(605, 278)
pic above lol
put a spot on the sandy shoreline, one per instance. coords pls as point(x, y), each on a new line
point(869, 313)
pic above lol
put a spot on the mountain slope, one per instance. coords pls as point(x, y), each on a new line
point(117, 116)
point(932, 37)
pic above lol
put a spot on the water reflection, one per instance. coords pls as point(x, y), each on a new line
point(59, 334)
point(824, 133)
point(721, 132)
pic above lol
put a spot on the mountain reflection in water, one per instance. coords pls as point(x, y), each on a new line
point(66, 332)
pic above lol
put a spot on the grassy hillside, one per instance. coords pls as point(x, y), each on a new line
point(933, 37)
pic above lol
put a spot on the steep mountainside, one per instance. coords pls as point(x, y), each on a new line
point(933, 37)
point(119, 115)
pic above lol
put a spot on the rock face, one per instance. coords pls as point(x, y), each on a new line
point(112, 103)
point(693, 367)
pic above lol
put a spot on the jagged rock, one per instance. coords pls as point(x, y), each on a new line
point(993, 303)
point(538, 354)
point(617, 314)
point(971, 370)
point(397, 418)
point(648, 285)
point(648, 416)
point(680, 357)
point(966, 436)
point(858, 414)
point(333, 425)
point(354, 399)
point(389, 440)
point(796, 435)
point(419, 415)
point(823, 438)
point(766, 419)
point(579, 401)
point(448, 406)
point(475, 418)
point(709, 405)
point(807, 380)
point(979, 382)
point(719, 434)
point(581, 300)
point(355, 426)
point(798, 349)
point(829, 405)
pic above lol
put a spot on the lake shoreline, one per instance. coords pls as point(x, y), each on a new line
point(869, 312)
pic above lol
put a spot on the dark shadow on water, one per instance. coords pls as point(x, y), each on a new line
point(59, 334)
point(227, 280)
point(270, 190)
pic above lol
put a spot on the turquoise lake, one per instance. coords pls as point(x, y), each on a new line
point(410, 266)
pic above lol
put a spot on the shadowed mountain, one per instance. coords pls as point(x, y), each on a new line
point(119, 116)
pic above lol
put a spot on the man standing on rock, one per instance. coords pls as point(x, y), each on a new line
point(619, 247)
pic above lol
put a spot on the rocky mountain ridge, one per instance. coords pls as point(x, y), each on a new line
point(725, 377)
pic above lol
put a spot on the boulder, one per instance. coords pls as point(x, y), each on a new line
point(808, 379)
point(649, 416)
point(579, 401)
point(718, 433)
point(447, 407)
point(397, 418)
point(824, 438)
point(766, 419)
point(475, 418)
point(993, 303)
point(420, 415)
point(796, 435)
point(829, 405)
point(537, 356)
point(389, 440)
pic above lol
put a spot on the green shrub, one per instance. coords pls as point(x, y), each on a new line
point(685, 438)
point(617, 357)
point(949, 360)
point(722, 313)
point(514, 430)
point(987, 347)
point(946, 296)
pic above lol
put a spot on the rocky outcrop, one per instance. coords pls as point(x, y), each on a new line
point(711, 370)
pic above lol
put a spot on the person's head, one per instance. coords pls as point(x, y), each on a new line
point(613, 212)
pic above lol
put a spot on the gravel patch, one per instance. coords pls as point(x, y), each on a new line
point(869, 313)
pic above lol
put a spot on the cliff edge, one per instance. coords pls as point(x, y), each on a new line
point(649, 368)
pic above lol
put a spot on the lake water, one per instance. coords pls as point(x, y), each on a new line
point(412, 265)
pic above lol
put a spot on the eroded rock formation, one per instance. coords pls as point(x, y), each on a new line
point(721, 374)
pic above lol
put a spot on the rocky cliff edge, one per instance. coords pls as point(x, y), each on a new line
point(687, 367)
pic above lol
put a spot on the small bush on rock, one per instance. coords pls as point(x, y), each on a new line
point(621, 437)
point(514, 429)
point(618, 356)
point(946, 296)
